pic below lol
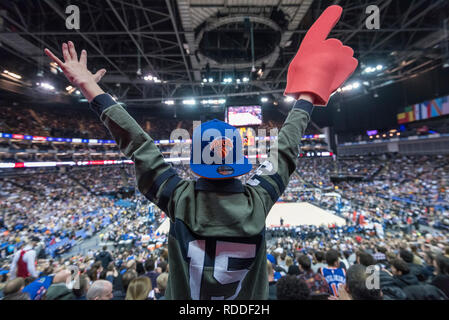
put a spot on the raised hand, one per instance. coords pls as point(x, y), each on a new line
point(76, 70)
point(321, 66)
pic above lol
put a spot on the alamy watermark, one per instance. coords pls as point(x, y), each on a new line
point(372, 22)
point(73, 20)
point(373, 279)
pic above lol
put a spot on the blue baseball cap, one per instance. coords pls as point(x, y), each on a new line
point(217, 151)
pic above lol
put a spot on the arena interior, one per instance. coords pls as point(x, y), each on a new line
point(369, 196)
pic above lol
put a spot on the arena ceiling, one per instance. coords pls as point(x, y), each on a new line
point(184, 43)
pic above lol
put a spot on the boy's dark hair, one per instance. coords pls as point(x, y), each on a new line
point(105, 248)
point(366, 259)
point(400, 265)
point(292, 288)
point(356, 283)
point(304, 262)
point(149, 265)
point(406, 255)
point(332, 257)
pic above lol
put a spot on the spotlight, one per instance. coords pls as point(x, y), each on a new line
point(379, 67)
point(245, 79)
point(169, 102)
point(47, 86)
point(148, 78)
point(12, 74)
point(211, 80)
point(355, 85)
point(70, 89)
point(238, 80)
point(289, 99)
point(189, 102)
point(227, 80)
point(204, 80)
point(264, 99)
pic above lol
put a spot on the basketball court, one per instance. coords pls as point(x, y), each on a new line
point(294, 214)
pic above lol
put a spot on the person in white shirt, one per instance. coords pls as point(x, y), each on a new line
point(29, 257)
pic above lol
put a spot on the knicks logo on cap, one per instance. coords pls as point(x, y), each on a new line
point(223, 145)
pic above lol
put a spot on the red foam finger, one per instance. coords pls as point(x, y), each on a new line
point(323, 26)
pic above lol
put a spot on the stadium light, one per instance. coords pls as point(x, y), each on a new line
point(211, 80)
point(148, 78)
point(189, 102)
point(47, 86)
point(355, 85)
point(227, 80)
point(379, 67)
point(78, 92)
point(289, 99)
point(12, 74)
point(204, 80)
point(169, 102)
point(214, 102)
point(264, 99)
point(245, 79)
point(238, 80)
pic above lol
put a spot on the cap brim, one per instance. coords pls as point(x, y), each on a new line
point(210, 171)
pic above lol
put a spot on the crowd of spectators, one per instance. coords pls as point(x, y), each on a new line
point(403, 266)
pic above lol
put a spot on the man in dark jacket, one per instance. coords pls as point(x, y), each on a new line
point(414, 268)
point(104, 257)
point(389, 288)
point(401, 274)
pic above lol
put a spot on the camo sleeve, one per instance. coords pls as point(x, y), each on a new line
point(271, 178)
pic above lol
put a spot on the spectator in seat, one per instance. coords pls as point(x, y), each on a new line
point(356, 285)
point(414, 268)
point(127, 277)
point(402, 275)
point(100, 290)
point(314, 280)
point(319, 257)
point(441, 281)
point(13, 290)
point(292, 288)
point(81, 292)
point(150, 272)
point(365, 259)
point(271, 282)
point(59, 289)
point(104, 257)
point(161, 280)
point(139, 289)
point(332, 273)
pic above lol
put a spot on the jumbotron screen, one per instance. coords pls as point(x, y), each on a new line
point(244, 116)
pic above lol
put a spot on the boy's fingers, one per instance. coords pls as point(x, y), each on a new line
point(72, 51)
point(65, 52)
point(99, 74)
point(54, 58)
point(83, 57)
